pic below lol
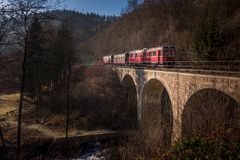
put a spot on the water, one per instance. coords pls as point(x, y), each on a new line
point(92, 151)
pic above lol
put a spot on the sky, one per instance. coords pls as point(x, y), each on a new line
point(102, 7)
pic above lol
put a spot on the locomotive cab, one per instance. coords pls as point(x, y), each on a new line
point(168, 56)
point(163, 56)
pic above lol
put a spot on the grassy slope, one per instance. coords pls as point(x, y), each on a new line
point(8, 103)
point(32, 130)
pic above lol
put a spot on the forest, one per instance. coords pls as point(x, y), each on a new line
point(53, 85)
point(205, 30)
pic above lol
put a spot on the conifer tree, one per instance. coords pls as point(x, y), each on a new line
point(132, 5)
point(64, 49)
point(35, 72)
point(208, 38)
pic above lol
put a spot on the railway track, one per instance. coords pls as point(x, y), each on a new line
point(185, 70)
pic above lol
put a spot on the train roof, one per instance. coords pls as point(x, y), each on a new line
point(108, 56)
point(141, 50)
point(122, 53)
point(160, 47)
point(154, 48)
point(137, 51)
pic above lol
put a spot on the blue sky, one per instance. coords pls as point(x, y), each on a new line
point(103, 7)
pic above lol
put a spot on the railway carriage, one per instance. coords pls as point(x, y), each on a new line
point(121, 59)
point(108, 59)
point(136, 57)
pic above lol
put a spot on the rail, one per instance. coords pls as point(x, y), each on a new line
point(209, 65)
point(229, 68)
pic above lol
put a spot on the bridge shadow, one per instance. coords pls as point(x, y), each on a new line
point(125, 97)
point(157, 119)
point(208, 112)
point(130, 100)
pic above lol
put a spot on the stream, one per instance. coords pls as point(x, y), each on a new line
point(92, 151)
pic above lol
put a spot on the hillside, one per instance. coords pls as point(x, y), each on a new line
point(83, 26)
point(176, 23)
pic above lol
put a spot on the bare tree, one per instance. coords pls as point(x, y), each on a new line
point(66, 53)
point(20, 13)
point(4, 20)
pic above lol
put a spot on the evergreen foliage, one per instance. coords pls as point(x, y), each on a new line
point(49, 54)
point(208, 38)
point(64, 51)
point(200, 30)
point(84, 26)
point(35, 72)
point(132, 5)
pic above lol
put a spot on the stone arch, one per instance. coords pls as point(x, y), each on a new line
point(130, 100)
point(207, 111)
point(162, 79)
point(119, 111)
point(128, 76)
point(157, 115)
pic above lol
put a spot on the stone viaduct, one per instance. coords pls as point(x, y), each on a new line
point(153, 86)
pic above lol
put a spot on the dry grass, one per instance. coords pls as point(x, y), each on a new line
point(31, 133)
point(36, 125)
point(8, 103)
point(140, 146)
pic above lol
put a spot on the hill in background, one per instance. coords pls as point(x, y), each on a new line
point(214, 24)
point(84, 27)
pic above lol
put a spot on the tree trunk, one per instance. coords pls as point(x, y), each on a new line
point(21, 98)
point(1, 136)
point(68, 96)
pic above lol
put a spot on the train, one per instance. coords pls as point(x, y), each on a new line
point(157, 56)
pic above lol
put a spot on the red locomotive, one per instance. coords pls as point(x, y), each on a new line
point(163, 56)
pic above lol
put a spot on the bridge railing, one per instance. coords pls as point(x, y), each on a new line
point(209, 65)
point(226, 66)
point(221, 67)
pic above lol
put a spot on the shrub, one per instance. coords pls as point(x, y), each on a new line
point(226, 146)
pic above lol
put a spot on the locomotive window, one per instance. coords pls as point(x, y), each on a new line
point(144, 54)
point(154, 53)
point(136, 55)
point(165, 52)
